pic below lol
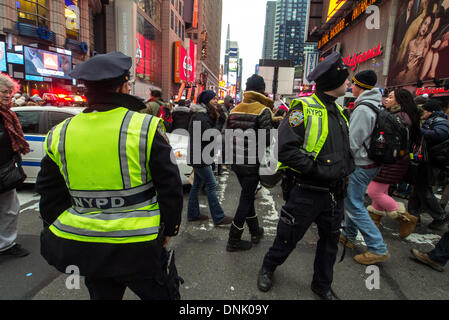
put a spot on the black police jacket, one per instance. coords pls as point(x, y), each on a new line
point(334, 162)
point(113, 260)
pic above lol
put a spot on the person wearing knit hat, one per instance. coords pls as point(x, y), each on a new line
point(206, 96)
point(255, 83)
point(361, 127)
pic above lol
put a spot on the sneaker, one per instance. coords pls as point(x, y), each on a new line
point(201, 217)
point(347, 243)
point(368, 258)
point(16, 251)
point(437, 224)
point(227, 220)
point(424, 258)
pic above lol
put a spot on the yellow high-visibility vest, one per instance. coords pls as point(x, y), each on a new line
point(104, 158)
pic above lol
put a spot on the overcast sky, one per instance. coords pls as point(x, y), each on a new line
point(247, 20)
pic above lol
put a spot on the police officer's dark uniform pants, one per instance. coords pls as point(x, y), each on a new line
point(114, 288)
point(306, 207)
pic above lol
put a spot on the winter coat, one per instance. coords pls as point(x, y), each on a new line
point(181, 118)
point(361, 125)
point(253, 113)
point(200, 121)
point(394, 173)
point(436, 128)
point(152, 107)
point(6, 152)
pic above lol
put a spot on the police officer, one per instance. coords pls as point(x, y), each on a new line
point(110, 196)
point(314, 152)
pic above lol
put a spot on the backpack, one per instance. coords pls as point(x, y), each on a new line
point(390, 137)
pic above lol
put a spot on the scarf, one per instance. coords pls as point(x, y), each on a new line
point(14, 129)
point(396, 108)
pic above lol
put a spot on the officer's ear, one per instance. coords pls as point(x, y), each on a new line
point(125, 88)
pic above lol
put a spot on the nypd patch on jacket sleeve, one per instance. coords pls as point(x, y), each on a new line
point(296, 118)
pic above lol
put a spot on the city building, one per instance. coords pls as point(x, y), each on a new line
point(41, 41)
point(270, 18)
point(290, 25)
point(233, 67)
point(369, 38)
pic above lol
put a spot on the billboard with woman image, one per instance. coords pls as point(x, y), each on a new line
point(420, 48)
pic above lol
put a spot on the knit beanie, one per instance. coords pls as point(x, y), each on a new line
point(206, 96)
point(255, 83)
point(366, 79)
point(432, 105)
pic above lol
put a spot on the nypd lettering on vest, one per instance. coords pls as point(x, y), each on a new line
point(100, 203)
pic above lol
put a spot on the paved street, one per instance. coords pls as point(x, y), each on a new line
point(210, 272)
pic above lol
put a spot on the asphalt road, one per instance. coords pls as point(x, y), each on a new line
point(212, 273)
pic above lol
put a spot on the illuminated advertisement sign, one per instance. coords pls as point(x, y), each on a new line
point(420, 49)
point(185, 62)
point(358, 58)
point(334, 6)
point(233, 64)
point(143, 57)
point(346, 21)
point(421, 91)
point(16, 58)
point(47, 64)
point(2, 57)
point(195, 14)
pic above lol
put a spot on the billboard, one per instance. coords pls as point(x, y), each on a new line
point(310, 62)
point(47, 64)
point(420, 48)
point(2, 57)
point(334, 6)
point(185, 62)
point(233, 64)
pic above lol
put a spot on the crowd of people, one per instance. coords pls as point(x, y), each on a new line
point(325, 156)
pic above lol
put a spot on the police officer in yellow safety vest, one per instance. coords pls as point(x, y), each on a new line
point(314, 152)
point(111, 197)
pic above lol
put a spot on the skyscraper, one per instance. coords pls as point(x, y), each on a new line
point(290, 25)
point(267, 52)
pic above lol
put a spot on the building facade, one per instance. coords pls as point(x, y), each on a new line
point(270, 18)
point(44, 39)
point(290, 25)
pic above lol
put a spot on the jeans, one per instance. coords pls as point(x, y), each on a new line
point(247, 196)
point(356, 215)
point(405, 188)
point(441, 252)
point(204, 175)
point(423, 199)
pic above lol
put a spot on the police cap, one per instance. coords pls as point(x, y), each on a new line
point(104, 69)
point(330, 73)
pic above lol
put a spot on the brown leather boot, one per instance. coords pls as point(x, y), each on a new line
point(406, 220)
point(375, 215)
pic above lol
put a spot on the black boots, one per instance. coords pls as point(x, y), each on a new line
point(235, 242)
point(254, 229)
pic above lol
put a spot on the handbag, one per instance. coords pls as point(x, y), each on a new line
point(12, 174)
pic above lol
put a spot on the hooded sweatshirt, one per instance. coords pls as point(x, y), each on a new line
point(361, 126)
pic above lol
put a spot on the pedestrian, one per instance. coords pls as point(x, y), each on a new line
point(154, 103)
point(125, 192)
point(12, 145)
point(205, 116)
point(399, 102)
point(228, 104)
point(314, 152)
point(435, 130)
point(361, 127)
point(165, 113)
point(436, 258)
point(250, 116)
point(181, 116)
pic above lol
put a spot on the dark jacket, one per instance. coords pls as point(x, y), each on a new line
point(335, 161)
point(199, 123)
point(181, 118)
point(394, 173)
point(6, 152)
point(252, 114)
point(436, 128)
point(111, 260)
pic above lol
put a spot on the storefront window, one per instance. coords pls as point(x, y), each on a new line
point(33, 12)
point(72, 19)
point(152, 8)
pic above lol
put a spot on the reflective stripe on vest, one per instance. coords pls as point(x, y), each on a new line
point(316, 126)
point(113, 197)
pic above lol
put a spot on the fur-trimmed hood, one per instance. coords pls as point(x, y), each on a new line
point(253, 103)
point(181, 109)
point(201, 108)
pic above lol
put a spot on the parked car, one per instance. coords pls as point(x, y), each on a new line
point(37, 121)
